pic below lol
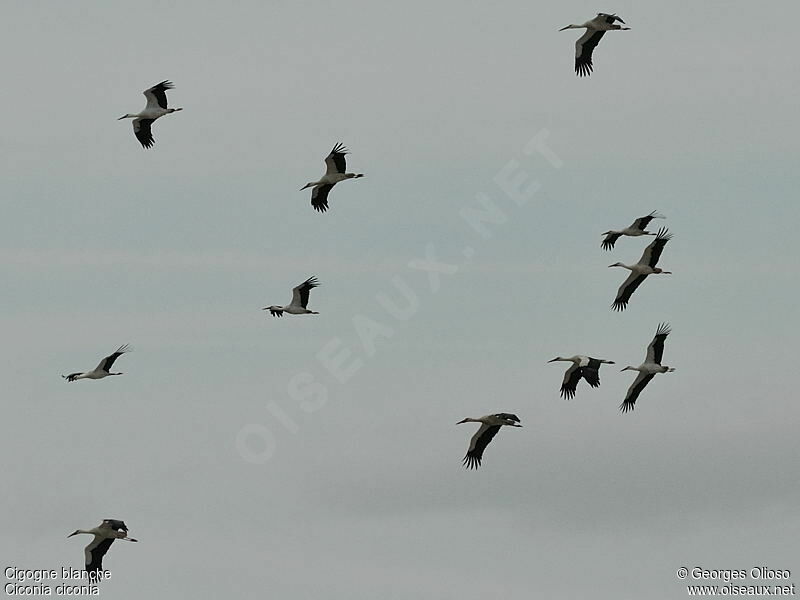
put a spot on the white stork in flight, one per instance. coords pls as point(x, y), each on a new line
point(639, 272)
point(582, 366)
point(490, 425)
point(335, 172)
point(102, 369)
point(156, 108)
point(636, 229)
point(299, 303)
point(104, 535)
point(595, 29)
point(648, 369)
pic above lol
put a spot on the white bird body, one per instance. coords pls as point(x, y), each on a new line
point(490, 425)
point(332, 178)
point(104, 535)
point(641, 269)
point(299, 303)
point(584, 367)
point(103, 369)
point(155, 109)
point(632, 232)
point(585, 45)
point(649, 368)
point(336, 167)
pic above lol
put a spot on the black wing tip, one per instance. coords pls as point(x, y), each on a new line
point(567, 393)
point(663, 234)
point(664, 329)
point(619, 305)
point(583, 69)
point(339, 148)
point(311, 282)
point(165, 85)
point(626, 406)
point(607, 245)
point(471, 461)
point(320, 207)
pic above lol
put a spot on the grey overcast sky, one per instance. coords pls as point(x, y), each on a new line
point(318, 457)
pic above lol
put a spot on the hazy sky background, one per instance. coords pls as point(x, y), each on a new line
point(693, 112)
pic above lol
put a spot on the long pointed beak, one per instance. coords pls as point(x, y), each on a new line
point(553, 360)
point(122, 117)
point(73, 533)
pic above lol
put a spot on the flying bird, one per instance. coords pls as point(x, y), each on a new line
point(595, 29)
point(156, 108)
point(102, 369)
point(582, 366)
point(299, 303)
point(104, 535)
point(636, 229)
point(649, 368)
point(639, 272)
point(335, 172)
point(490, 425)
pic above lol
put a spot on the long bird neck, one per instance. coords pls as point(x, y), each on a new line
point(563, 359)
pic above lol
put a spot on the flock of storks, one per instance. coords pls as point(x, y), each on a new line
point(583, 367)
